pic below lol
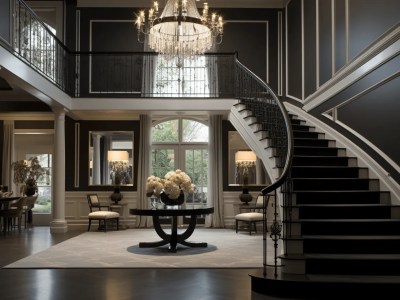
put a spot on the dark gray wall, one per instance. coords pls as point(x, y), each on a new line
point(310, 63)
point(368, 20)
point(294, 50)
point(372, 112)
point(325, 41)
point(340, 34)
point(5, 21)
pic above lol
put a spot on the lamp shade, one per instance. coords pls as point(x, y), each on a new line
point(114, 155)
point(241, 156)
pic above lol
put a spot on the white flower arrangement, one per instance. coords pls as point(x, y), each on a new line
point(172, 184)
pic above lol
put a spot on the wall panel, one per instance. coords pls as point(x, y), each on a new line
point(340, 34)
point(325, 41)
point(294, 50)
point(368, 19)
point(310, 50)
point(5, 21)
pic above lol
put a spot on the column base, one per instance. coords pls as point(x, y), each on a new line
point(58, 226)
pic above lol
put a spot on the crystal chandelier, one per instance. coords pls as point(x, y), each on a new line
point(180, 30)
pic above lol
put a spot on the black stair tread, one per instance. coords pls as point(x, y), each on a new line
point(345, 205)
point(345, 220)
point(328, 179)
point(357, 256)
point(312, 139)
point(329, 167)
point(317, 147)
point(326, 256)
point(352, 237)
point(342, 237)
point(324, 156)
point(336, 191)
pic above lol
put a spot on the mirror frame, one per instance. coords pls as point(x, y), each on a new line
point(226, 128)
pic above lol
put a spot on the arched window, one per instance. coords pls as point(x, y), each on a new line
point(182, 143)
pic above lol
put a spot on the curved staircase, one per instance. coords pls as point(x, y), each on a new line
point(343, 232)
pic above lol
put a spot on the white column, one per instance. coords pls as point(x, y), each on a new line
point(96, 158)
point(58, 223)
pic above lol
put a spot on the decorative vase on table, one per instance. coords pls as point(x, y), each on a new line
point(170, 202)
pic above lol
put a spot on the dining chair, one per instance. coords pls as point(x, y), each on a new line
point(27, 209)
point(96, 212)
point(13, 213)
point(252, 217)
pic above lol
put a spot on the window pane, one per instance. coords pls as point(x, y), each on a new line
point(163, 161)
point(187, 77)
point(167, 131)
point(43, 203)
point(196, 166)
point(194, 131)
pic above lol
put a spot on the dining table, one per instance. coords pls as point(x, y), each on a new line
point(6, 201)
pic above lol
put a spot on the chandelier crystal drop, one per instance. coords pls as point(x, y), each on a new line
point(180, 30)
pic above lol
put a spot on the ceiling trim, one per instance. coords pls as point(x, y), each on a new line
point(212, 3)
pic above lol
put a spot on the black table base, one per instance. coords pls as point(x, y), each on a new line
point(174, 238)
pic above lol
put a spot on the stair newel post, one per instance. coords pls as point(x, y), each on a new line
point(275, 235)
point(288, 203)
point(264, 229)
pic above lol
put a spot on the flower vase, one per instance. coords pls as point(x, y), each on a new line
point(169, 202)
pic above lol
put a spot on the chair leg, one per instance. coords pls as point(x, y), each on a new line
point(250, 223)
point(105, 225)
point(237, 223)
point(117, 224)
point(90, 223)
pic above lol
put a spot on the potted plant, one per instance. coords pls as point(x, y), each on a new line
point(26, 174)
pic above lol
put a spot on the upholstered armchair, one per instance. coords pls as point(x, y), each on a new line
point(100, 212)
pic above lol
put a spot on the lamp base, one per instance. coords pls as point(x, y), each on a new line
point(245, 198)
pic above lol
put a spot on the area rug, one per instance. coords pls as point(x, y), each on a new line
point(120, 249)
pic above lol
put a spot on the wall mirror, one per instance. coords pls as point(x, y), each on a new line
point(245, 168)
point(111, 158)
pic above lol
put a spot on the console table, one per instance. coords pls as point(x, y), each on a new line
point(174, 211)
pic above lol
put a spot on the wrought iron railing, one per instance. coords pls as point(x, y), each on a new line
point(273, 119)
point(34, 43)
point(149, 75)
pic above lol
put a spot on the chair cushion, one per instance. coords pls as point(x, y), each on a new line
point(103, 215)
point(249, 216)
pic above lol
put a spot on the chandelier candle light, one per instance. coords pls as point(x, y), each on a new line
point(180, 30)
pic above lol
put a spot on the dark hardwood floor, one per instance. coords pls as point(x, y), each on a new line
point(144, 284)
